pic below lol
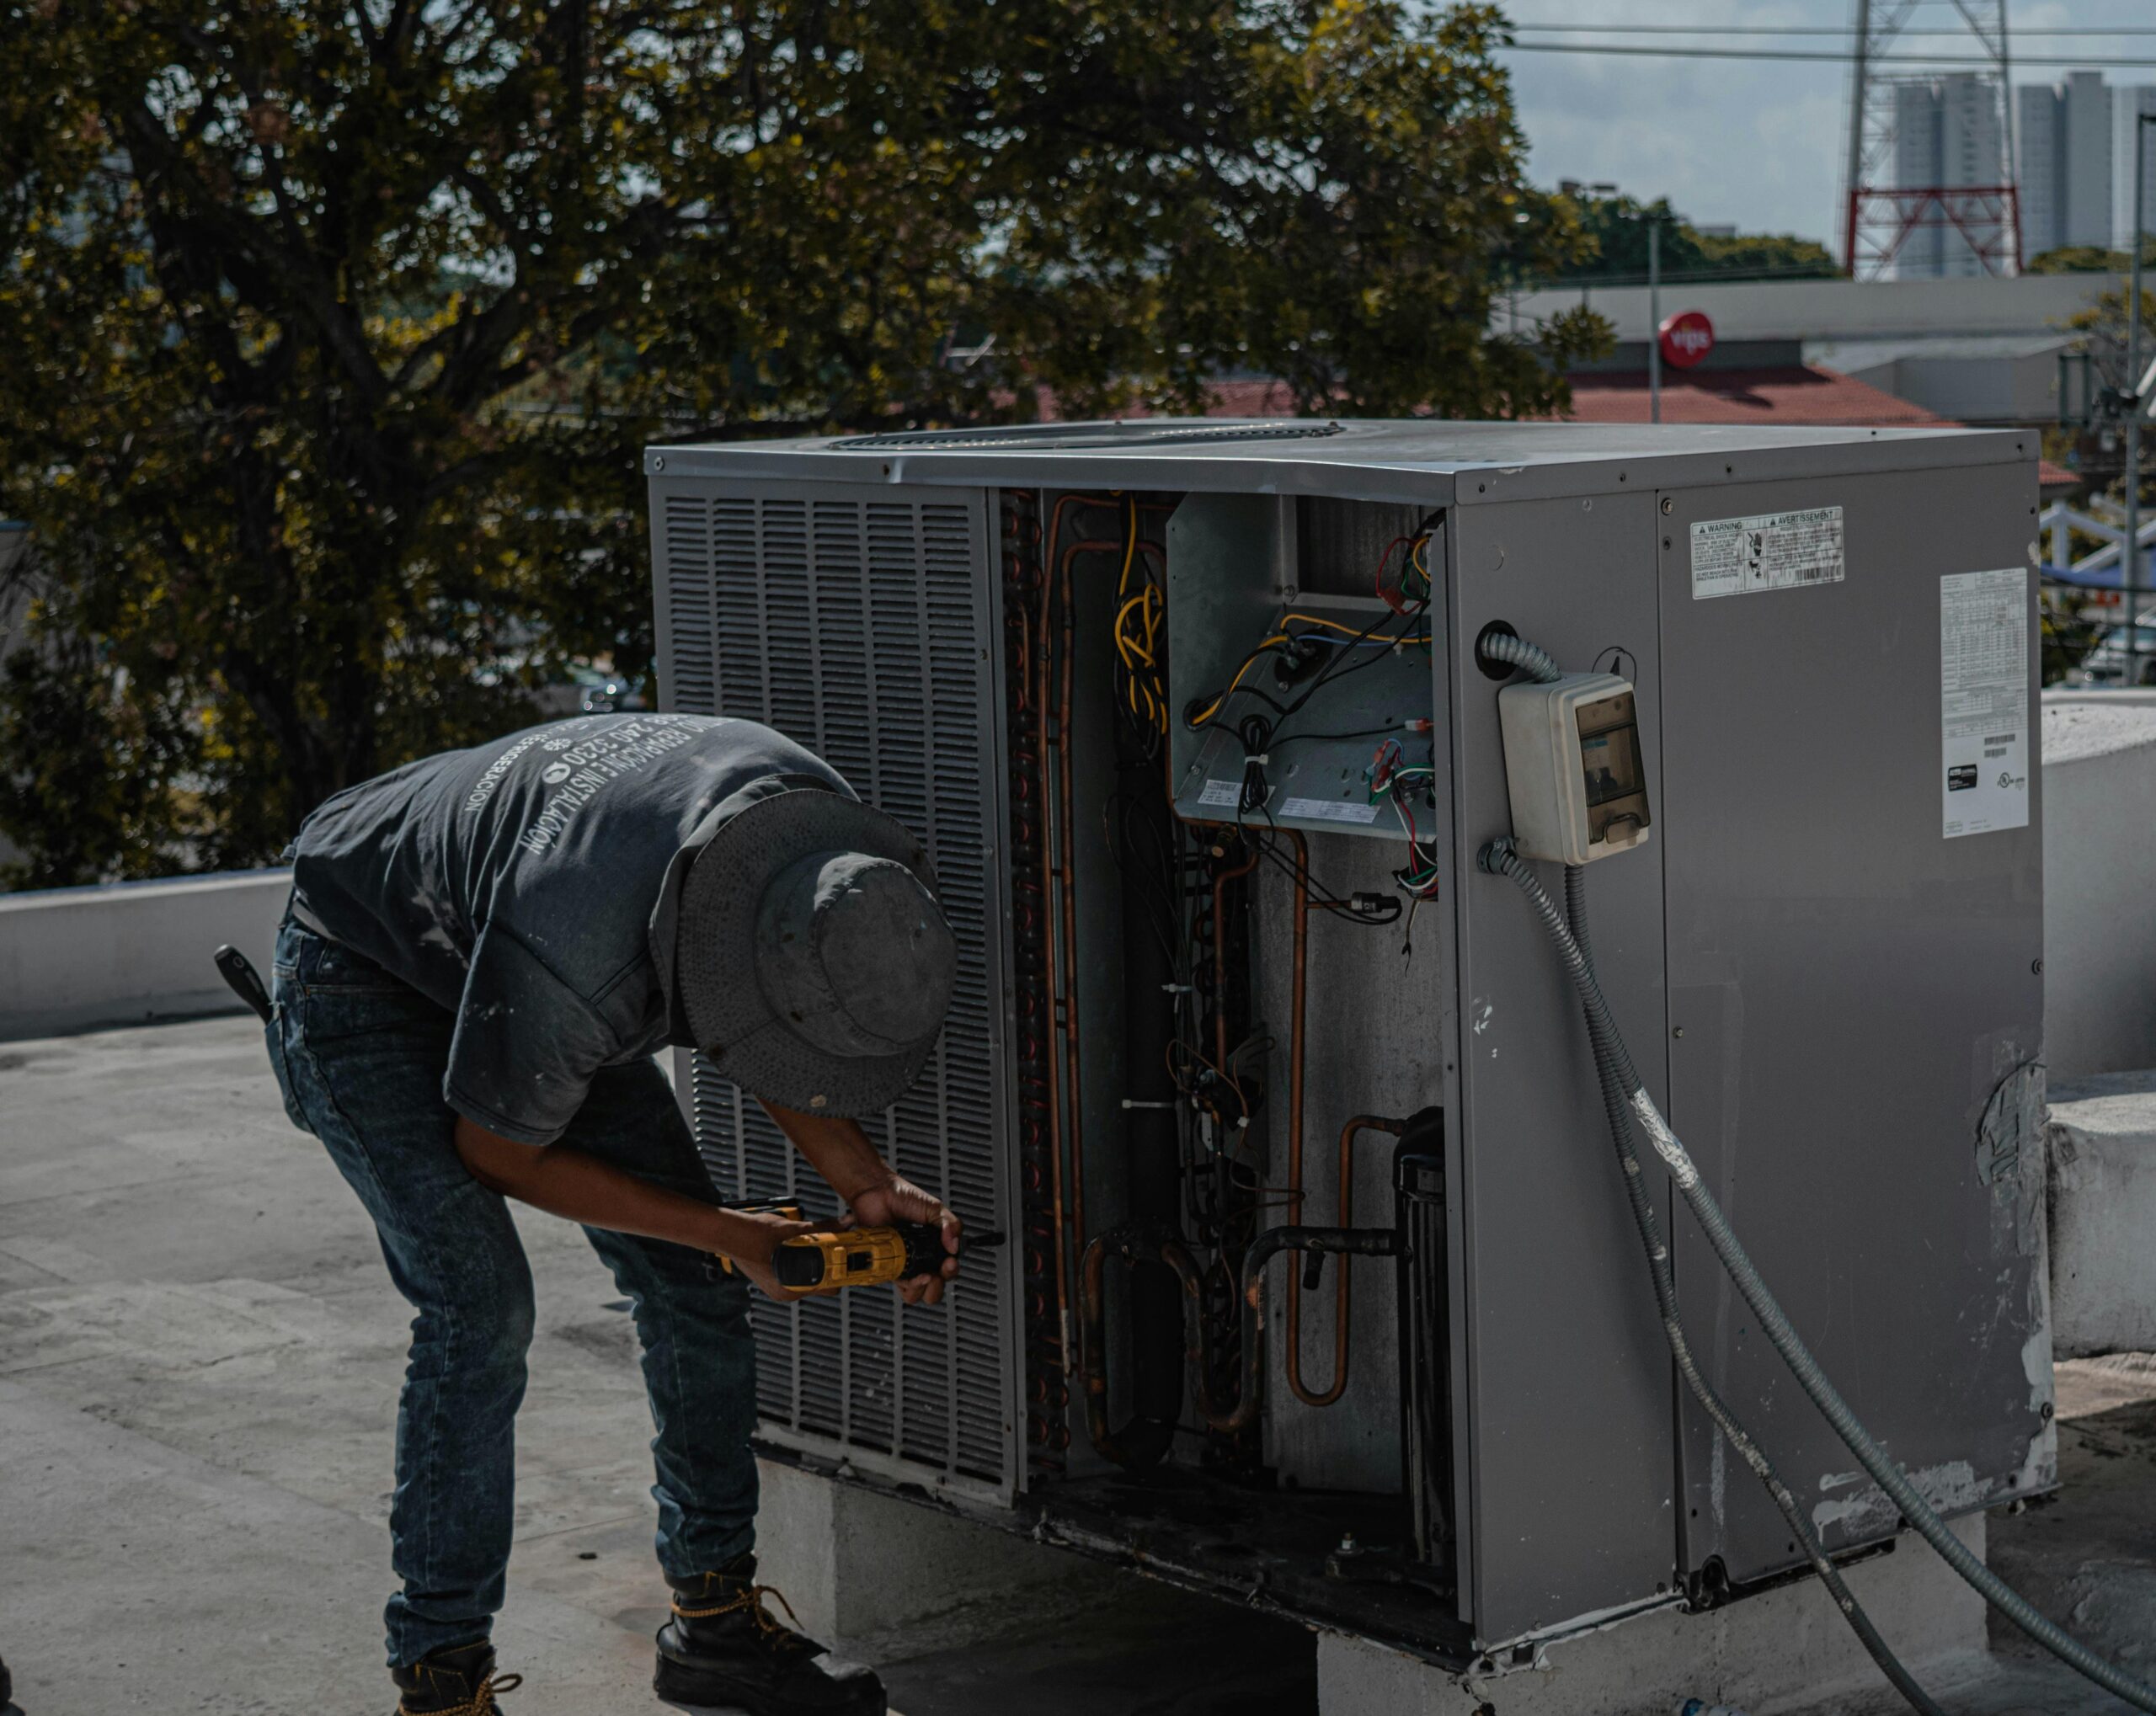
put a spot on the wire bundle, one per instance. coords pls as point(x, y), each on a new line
point(1418, 877)
point(1137, 631)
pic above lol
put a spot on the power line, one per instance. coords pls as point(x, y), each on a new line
point(1828, 30)
point(1929, 62)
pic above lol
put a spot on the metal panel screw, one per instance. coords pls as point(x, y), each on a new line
point(2037, 967)
point(1679, 1031)
point(659, 463)
point(1668, 505)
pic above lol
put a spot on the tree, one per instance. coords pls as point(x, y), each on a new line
point(1766, 256)
point(1616, 227)
point(2089, 259)
point(329, 334)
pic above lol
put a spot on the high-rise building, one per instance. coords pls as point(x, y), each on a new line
point(1946, 136)
point(2067, 145)
point(2132, 101)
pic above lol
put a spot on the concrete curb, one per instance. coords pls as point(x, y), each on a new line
point(76, 957)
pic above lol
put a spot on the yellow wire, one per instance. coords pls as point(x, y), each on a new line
point(1250, 661)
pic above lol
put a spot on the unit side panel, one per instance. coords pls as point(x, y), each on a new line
point(1852, 988)
point(861, 621)
point(1569, 1467)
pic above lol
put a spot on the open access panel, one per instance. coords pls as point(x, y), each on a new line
point(1324, 1294)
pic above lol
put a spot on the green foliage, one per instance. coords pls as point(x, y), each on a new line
point(329, 334)
point(2088, 260)
point(1616, 228)
point(2103, 326)
point(1778, 256)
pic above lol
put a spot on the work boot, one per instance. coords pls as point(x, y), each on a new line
point(459, 1682)
point(725, 1648)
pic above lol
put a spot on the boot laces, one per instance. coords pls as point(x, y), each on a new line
point(482, 1701)
point(774, 1633)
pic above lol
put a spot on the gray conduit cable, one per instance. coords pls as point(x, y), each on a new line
point(1620, 1114)
point(1515, 651)
point(1499, 859)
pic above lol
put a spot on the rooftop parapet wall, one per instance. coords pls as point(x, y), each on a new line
point(75, 957)
point(2099, 882)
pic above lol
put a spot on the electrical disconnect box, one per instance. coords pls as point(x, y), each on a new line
point(1323, 1290)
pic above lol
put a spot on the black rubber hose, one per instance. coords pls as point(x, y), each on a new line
point(1620, 1115)
point(1499, 859)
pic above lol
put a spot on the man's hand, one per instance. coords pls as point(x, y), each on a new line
point(840, 1151)
point(774, 1231)
point(896, 1199)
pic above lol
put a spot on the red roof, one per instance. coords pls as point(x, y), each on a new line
point(1796, 395)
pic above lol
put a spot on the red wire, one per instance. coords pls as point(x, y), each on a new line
point(1384, 595)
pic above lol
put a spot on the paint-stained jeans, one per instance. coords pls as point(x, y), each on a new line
point(360, 1058)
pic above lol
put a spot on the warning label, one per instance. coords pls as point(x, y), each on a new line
point(1772, 551)
point(1983, 701)
point(1331, 810)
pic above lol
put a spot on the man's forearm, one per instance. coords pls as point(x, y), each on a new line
point(565, 1181)
point(837, 1149)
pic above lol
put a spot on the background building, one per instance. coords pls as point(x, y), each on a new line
point(2132, 100)
point(1947, 137)
point(2067, 142)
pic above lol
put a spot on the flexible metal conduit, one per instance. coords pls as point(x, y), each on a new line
point(1134, 1442)
point(1499, 859)
point(1619, 1113)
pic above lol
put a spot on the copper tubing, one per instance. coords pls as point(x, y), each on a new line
point(1361, 1123)
point(1143, 1441)
point(1053, 1024)
point(1065, 866)
point(1064, 1113)
point(1220, 881)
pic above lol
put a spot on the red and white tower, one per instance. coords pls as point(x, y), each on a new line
point(1930, 187)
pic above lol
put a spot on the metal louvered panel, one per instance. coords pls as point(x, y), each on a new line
point(864, 626)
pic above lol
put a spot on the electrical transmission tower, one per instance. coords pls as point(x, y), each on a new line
point(1930, 187)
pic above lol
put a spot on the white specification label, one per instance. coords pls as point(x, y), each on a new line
point(1331, 810)
point(1220, 792)
point(1983, 700)
point(1772, 551)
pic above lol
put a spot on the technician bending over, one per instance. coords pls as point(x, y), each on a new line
point(483, 952)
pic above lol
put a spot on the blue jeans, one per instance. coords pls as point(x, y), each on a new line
point(359, 1057)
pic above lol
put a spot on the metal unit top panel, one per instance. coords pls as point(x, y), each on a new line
point(1433, 461)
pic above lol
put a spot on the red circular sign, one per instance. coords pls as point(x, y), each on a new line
point(1687, 337)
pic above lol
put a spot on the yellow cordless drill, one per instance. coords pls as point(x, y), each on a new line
point(824, 1261)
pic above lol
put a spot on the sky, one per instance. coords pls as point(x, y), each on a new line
point(1761, 146)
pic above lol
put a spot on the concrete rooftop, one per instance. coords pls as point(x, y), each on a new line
point(198, 1357)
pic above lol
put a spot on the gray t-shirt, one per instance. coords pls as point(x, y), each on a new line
point(529, 887)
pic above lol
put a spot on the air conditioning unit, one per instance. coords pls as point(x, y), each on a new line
point(1200, 723)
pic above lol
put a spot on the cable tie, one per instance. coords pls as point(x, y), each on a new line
point(1261, 757)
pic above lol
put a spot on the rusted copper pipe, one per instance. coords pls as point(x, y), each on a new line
point(1346, 1186)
